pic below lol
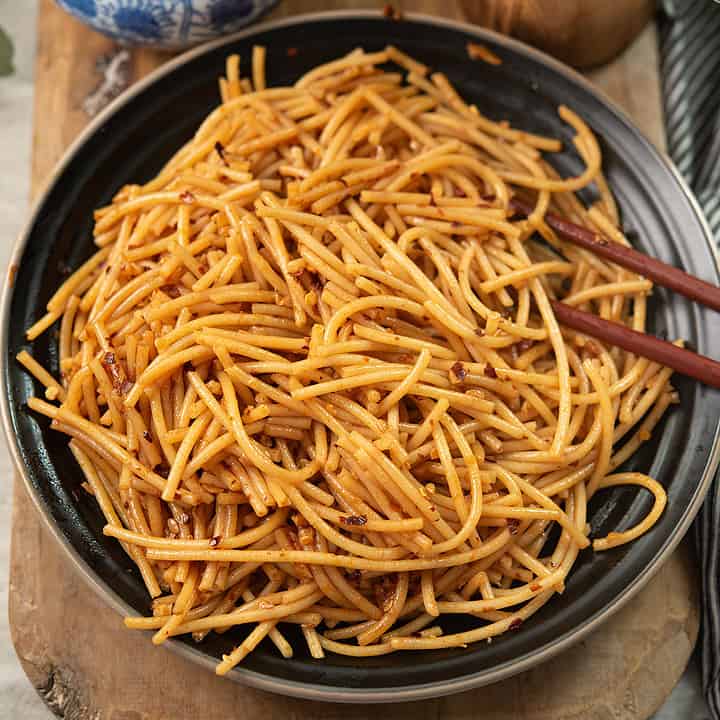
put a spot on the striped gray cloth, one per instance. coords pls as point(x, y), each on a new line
point(690, 66)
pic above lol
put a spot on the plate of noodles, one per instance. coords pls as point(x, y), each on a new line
point(282, 375)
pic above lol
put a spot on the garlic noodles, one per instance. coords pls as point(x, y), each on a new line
point(312, 375)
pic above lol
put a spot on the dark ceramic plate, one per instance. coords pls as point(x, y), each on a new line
point(131, 141)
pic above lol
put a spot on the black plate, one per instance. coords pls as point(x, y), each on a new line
point(131, 141)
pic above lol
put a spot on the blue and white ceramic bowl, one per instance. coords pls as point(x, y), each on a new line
point(171, 24)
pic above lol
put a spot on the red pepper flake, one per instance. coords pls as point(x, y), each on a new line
point(12, 272)
point(489, 371)
point(316, 280)
point(459, 371)
point(220, 150)
point(516, 624)
point(291, 52)
point(593, 348)
point(353, 520)
point(116, 372)
point(535, 587)
point(476, 51)
point(187, 197)
point(293, 538)
point(215, 541)
point(384, 592)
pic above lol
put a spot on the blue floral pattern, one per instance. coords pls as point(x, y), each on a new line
point(166, 23)
point(143, 20)
point(85, 8)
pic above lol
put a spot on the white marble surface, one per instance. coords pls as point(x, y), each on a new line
point(18, 700)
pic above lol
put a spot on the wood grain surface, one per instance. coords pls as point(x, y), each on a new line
point(76, 651)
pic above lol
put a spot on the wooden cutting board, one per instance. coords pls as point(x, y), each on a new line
point(75, 650)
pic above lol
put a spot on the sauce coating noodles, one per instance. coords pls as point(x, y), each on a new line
point(312, 374)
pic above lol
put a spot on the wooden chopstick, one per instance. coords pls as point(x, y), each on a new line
point(700, 367)
point(659, 272)
point(686, 362)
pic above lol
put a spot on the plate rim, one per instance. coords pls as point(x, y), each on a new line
point(289, 687)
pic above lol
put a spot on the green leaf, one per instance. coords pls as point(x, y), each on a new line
point(6, 54)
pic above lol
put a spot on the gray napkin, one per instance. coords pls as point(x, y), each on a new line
point(690, 68)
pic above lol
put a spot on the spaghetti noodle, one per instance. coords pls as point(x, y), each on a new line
point(313, 376)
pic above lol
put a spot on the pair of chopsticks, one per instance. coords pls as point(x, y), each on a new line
point(684, 361)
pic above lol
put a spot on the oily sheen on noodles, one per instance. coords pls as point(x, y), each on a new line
point(312, 374)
